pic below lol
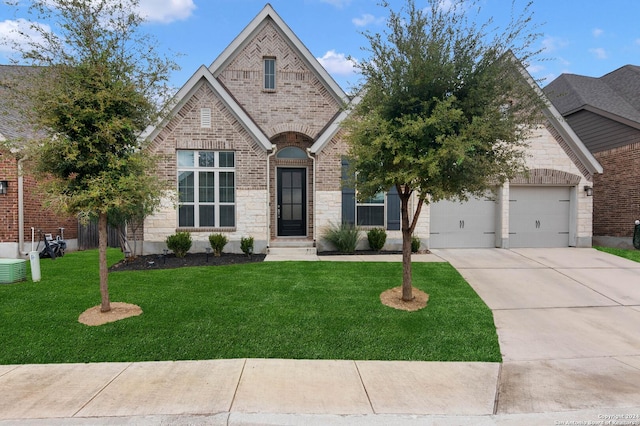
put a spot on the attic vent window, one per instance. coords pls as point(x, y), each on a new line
point(205, 118)
point(270, 74)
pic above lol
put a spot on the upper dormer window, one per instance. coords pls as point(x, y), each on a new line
point(269, 73)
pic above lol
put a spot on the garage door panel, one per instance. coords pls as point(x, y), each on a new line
point(463, 225)
point(539, 216)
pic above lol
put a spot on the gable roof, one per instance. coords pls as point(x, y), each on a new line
point(268, 14)
point(562, 127)
point(614, 95)
point(184, 94)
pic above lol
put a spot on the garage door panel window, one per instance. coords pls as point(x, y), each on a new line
point(206, 189)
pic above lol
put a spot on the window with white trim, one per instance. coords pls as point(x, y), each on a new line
point(370, 212)
point(206, 189)
point(269, 73)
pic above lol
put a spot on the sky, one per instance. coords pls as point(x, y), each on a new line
point(585, 37)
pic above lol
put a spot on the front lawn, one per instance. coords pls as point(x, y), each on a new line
point(626, 253)
point(300, 310)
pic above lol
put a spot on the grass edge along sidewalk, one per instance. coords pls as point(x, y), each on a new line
point(294, 310)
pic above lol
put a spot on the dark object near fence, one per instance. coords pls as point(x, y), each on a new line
point(53, 247)
point(636, 235)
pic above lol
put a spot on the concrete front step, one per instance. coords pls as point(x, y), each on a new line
point(291, 243)
point(292, 251)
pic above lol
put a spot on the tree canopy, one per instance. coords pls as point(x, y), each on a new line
point(444, 110)
point(101, 85)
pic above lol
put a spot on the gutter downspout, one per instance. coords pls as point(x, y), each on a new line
point(21, 209)
point(315, 201)
point(275, 148)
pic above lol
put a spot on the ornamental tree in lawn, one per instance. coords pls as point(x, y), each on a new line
point(99, 88)
point(444, 109)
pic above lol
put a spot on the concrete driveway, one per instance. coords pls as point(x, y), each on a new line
point(568, 322)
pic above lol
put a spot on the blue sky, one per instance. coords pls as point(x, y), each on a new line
point(586, 37)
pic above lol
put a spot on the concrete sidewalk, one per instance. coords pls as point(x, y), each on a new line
point(568, 321)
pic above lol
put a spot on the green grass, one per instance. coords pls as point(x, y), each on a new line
point(300, 310)
point(627, 254)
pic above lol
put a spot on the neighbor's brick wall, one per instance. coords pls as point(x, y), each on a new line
point(35, 215)
point(9, 202)
point(616, 192)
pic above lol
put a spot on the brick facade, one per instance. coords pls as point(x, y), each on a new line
point(35, 214)
point(617, 192)
point(300, 112)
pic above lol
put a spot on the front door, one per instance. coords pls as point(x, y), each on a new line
point(292, 195)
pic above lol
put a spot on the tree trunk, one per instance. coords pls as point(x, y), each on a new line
point(407, 285)
point(105, 306)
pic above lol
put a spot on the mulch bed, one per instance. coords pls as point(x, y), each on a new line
point(158, 261)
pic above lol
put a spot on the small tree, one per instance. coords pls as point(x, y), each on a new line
point(444, 110)
point(97, 92)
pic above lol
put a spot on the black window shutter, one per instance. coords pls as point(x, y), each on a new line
point(393, 210)
point(348, 197)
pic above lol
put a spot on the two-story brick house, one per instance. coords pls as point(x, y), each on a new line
point(253, 146)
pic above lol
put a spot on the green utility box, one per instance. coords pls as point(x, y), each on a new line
point(12, 270)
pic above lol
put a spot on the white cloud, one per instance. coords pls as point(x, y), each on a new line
point(337, 63)
point(552, 44)
point(597, 32)
point(599, 53)
point(337, 3)
point(18, 33)
point(366, 19)
point(166, 11)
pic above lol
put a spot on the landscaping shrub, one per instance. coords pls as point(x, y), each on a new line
point(246, 245)
point(377, 237)
point(179, 243)
point(415, 244)
point(344, 237)
point(217, 241)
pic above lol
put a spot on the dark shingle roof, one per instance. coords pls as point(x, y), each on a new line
point(616, 93)
point(13, 107)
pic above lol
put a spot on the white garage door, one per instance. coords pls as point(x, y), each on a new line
point(463, 225)
point(539, 216)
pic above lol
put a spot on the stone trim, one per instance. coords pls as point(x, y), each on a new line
point(546, 177)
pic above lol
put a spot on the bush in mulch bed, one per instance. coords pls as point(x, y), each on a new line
point(170, 261)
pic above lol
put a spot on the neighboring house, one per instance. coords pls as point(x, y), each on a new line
point(254, 147)
point(20, 206)
point(605, 113)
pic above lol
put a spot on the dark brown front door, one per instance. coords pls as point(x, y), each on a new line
point(292, 195)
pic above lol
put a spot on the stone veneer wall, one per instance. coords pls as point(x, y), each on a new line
point(251, 219)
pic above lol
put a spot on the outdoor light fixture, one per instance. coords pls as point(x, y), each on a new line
point(3, 186)
point(589, 190)
point(208, 250)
